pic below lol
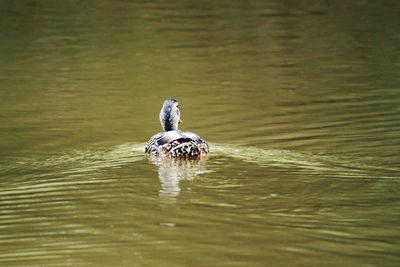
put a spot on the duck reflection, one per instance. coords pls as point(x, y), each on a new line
point(172, 170)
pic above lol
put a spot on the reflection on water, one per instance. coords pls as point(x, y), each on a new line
point(172, 170)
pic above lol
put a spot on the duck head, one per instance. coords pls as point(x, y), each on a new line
point(170, 115)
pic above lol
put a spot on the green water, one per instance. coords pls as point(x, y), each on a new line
point(299, 101)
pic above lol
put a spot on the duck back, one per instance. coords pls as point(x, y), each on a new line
point(177, 144)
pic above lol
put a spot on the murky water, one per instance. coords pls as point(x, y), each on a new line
point(299, 100)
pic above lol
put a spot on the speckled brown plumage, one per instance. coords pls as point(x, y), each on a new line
point(183, 147)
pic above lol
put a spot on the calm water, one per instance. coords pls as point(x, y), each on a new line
point(300, 101)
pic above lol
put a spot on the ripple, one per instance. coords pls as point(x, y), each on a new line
point(304, 162)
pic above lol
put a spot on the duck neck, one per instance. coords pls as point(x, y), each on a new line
point(168, 125)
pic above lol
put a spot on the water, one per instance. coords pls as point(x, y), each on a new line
point(300, 102)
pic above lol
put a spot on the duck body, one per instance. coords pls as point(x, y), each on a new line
point(173, 142)
point(177, 144)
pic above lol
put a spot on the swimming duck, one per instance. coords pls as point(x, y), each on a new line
point(173, 142)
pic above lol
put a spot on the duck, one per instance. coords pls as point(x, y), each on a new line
point(173, 142)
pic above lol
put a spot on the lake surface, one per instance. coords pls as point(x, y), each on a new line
point(299, 100)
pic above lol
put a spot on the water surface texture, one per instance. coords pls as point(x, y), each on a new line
point(299, 100)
